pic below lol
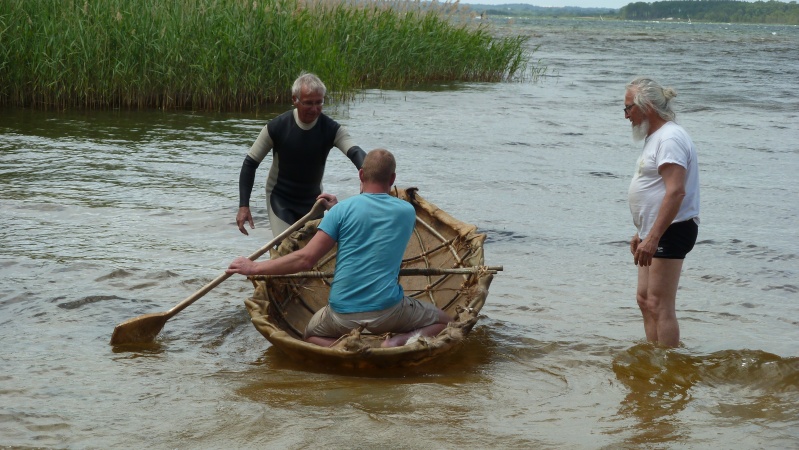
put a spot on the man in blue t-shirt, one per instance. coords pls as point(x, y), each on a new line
point(372, 230)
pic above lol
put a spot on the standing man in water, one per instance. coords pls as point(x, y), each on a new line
point(664, 202)
point(372, 231)
point(301, 140)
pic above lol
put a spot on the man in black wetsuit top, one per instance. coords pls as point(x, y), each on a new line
point(301, 140)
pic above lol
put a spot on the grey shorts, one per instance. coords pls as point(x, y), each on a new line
point(407, 315)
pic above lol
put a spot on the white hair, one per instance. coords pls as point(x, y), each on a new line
point(310, 82)
point(648, 94)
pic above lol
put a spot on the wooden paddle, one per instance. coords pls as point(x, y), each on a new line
point(421, 271)
point(145, 328)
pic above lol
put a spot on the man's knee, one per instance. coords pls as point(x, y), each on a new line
point(648, 303)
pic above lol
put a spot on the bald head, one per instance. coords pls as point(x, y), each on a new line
point(379, 167)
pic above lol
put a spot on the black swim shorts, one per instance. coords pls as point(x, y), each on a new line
point(678, 240)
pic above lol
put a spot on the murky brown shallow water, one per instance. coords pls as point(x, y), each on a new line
point(106, 216)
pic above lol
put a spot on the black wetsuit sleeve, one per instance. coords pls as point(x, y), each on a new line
point(356, 155)
point(247, 180)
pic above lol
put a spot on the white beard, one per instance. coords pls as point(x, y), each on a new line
point(640, 131)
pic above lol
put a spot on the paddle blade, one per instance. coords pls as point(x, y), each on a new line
point(139, 330)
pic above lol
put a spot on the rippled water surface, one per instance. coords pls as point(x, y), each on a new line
point(110, 215)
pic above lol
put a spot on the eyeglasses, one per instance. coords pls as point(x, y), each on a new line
point(309, 104)
point(627, 108)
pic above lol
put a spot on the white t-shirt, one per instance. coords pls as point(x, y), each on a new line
point(668, 145)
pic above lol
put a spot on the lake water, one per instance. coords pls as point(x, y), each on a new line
point(110, 215)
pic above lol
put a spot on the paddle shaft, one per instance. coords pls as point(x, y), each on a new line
point(317, 209)
point(403, 272)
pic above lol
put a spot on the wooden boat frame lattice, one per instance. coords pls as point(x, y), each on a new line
point(281, 306)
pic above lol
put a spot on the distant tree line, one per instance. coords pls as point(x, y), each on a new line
point(526, 10)
point(773, 12)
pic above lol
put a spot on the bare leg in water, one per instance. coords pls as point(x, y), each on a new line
point(656, 295)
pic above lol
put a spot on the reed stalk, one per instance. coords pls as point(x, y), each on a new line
point(234, 54)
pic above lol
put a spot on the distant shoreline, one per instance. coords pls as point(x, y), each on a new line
point(721, 11)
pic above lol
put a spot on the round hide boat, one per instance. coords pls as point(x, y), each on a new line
point(443, 264)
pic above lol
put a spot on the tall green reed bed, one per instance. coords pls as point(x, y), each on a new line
point(232, 54)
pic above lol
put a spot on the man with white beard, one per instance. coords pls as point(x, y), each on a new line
point(664, 202)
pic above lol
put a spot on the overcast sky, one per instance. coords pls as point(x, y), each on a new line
point(561, 3)
point(558, 3)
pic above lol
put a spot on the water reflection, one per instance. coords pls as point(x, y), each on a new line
point(411, 408)
point(135, 351)
point(659, 382)
point(746, 384)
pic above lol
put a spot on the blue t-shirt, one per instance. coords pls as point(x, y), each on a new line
point(372, 232)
